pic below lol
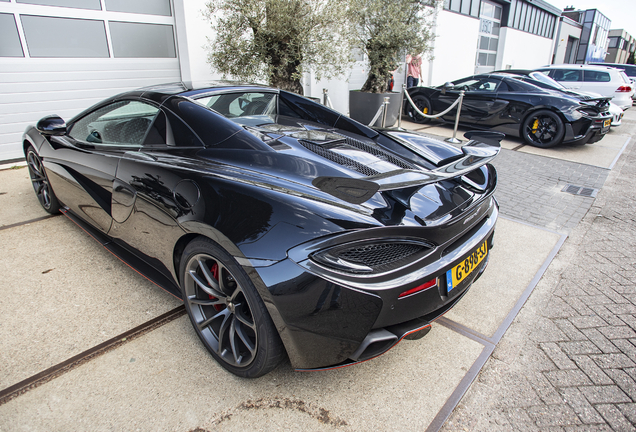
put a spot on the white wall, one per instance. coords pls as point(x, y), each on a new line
point(523, 50)
point(192, 32)
point(455, 47)
point(566, 31)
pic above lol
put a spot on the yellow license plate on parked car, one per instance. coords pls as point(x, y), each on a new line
point(461, 271)
point(607, 122)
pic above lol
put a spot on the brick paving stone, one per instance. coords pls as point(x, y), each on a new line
point(579, 347)
point(553, 415)
point(595, 373)
point(581, 406)
point(587, 321)
point(544, 388)
point(624, 381)
point(629, 411)
point(568, 378)
point(555, 353)
point(617, 332)
point(570, 331)
point(604, 394)
point(612, 361)
point(626, 347)
point(588, 428)
point(608, 316)
point(615, 418)
point(600, 341)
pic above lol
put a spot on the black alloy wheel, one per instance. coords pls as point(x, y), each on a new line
point(543, 129)
point(227, 313)
point(423, 104)
point(40, 182)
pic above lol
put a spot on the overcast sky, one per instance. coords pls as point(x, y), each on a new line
point(622, 13)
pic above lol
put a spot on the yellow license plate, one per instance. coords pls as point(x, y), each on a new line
point(461, 271)
point(607, 122)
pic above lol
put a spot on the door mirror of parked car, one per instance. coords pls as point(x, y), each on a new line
point(447, 86)
point(51, 125)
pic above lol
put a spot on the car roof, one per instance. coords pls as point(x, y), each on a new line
point(160, 92)
point(577, 66)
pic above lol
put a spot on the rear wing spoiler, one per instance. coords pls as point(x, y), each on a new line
point(482, 148)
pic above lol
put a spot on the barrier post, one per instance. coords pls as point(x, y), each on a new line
point(401, 106)
point(386, 108)
point(454, 140)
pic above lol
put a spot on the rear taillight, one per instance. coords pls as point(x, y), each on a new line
point(624, 88)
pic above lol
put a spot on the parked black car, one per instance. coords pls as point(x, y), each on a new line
point(501, 102)
point(283, 225)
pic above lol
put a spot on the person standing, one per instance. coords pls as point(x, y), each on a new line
point(414, 72)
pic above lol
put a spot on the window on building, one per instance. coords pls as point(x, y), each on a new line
point(10, 45)
point(613, 42)
point(142, 40)
point(78, 4)
point(464, 7)
point(150, 7)
point(64, 37)
point(530, 18)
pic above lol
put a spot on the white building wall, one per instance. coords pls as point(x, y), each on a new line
point(566, 31)
point(521, 50)
point(193, 31)
point(454, 51)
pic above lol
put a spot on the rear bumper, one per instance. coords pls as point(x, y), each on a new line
point(586, 131)
point(326, 321)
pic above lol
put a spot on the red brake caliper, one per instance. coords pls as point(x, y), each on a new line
point(215, 274)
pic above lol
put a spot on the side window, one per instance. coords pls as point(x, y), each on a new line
point(233, 105)
point(121, 123)
point(596, 76)
point(568, 75)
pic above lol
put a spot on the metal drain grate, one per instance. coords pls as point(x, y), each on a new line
point(580, 190)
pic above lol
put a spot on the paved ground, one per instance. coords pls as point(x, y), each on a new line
point(564, 364)
point(568, 361)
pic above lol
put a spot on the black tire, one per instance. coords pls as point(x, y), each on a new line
point(40, 181)
point(227, 312)
point(543, 129)
point(423, 104)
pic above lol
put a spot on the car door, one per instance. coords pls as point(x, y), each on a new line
point(480, 100)
point(154, 189)
point(85, 159)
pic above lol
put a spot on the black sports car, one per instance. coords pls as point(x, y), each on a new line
point(284, 226)
point(505, 103)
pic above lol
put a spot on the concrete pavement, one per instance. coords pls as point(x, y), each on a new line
point(61, 294)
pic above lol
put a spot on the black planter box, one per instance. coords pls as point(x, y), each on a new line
point(364, 106)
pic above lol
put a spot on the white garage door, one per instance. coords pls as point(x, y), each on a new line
point(62, 56)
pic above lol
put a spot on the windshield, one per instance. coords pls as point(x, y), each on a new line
point(540, 76)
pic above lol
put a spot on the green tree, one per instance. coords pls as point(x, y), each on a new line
point(632, 58)
point(276, 40)
point(386, 30)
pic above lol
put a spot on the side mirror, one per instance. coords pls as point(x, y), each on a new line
point(51, 125)
point(447, 86)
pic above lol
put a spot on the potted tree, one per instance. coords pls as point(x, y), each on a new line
point(276, 40)
point(386, 31)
